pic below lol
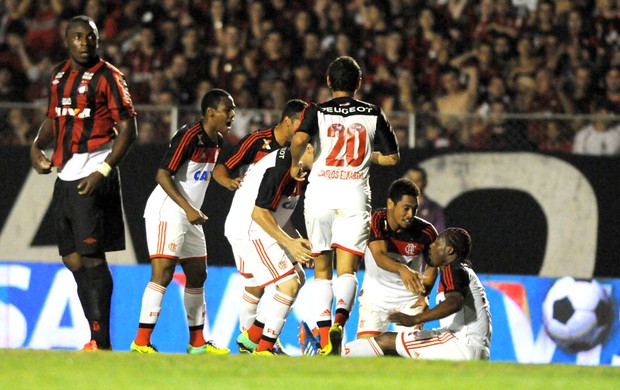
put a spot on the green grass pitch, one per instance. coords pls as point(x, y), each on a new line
point(36, 369)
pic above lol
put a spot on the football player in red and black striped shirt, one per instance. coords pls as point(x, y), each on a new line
point(92, 124)
point(252, 148)
point(257, 145)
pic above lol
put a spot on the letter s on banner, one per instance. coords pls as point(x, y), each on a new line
point(13, 324)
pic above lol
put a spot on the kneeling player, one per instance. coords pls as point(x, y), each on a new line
point(463, 312)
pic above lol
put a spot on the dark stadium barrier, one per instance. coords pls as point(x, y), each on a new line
point(529, 213)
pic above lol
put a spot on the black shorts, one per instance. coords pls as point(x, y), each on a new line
point(89, 225)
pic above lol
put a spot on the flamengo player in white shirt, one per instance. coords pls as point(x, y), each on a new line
point(462, 311)
point(395, 261)
point(348, 135)
point(260, 232)
point(174, 222)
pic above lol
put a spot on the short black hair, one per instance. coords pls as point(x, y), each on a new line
point(402, 187)
point(212, 99)
point(460, 240)
point(344, 74)
point(293, 109)
point(81, 19)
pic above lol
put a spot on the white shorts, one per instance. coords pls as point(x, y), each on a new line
point(373, 317)
point(436, 344)
point(175, 239)
point(240, 249)
point(264, 260)
point(346, 229)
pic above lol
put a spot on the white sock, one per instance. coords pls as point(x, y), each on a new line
point(195, 306)
point(323, 299)
point(277, 310)
point(151, 303)
point(247, 311)
point(345, 289)
point(362, 347)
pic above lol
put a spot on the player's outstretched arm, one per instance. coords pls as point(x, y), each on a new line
point(452, 304)
point(164, 179)
point(385, 160)
point(44, 138)
point(221, 174)
point(299, 248)
point(412, 280)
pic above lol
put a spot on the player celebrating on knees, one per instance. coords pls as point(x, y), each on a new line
point(263, 239)
point(174, 222)
point(462, 311)
point(250, 150)
point(350, 134)
point(395, 260)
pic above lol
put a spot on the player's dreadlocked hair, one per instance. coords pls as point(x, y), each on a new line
point(460, 240)
point(212, 99)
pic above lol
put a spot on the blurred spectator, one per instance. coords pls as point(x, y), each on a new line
point(428, 209)
point(498, 133)
point(9, 90)
point(612, 88)
point(457, 100)
point(602, 136)
point(580, 89)
point(145, 58)
point(494, 91)
point(557, 138)
point(18, 130)
point(227, 56)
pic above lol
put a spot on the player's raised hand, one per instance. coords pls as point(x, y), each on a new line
point(402, 319)
point(88, 184)
point(195, 216)
point(412, 280)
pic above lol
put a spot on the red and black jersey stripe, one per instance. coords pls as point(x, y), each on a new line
point(84, 104)
point(252, 148)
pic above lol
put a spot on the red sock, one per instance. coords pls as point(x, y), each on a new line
point(196, 336)
point(264, 345)
point(144, 336)
point(255, 332)
point(324, 335)
point(341, 319)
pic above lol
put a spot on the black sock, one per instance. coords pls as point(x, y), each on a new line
point(81, 279)
point(100, 297)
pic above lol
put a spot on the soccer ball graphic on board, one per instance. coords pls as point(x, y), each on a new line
point(577, 314)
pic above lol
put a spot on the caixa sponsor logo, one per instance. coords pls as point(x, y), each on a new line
point(202, 175)
point(76, 112)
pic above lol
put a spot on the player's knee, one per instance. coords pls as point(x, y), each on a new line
point(387, 342)
point(290, 287)
point(256, 291)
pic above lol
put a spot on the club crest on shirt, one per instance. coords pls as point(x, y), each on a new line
point(82, 89)
point(410, 249)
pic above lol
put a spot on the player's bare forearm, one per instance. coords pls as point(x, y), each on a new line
point(298, 147)
point(452, 304)
point(221, 174)
point(299, 248)
point(127, 135)
point(429, 279)
point(44, 138)
point(164, 179)
point(385, 160)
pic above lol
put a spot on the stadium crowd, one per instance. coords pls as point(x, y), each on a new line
point(450, 57)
